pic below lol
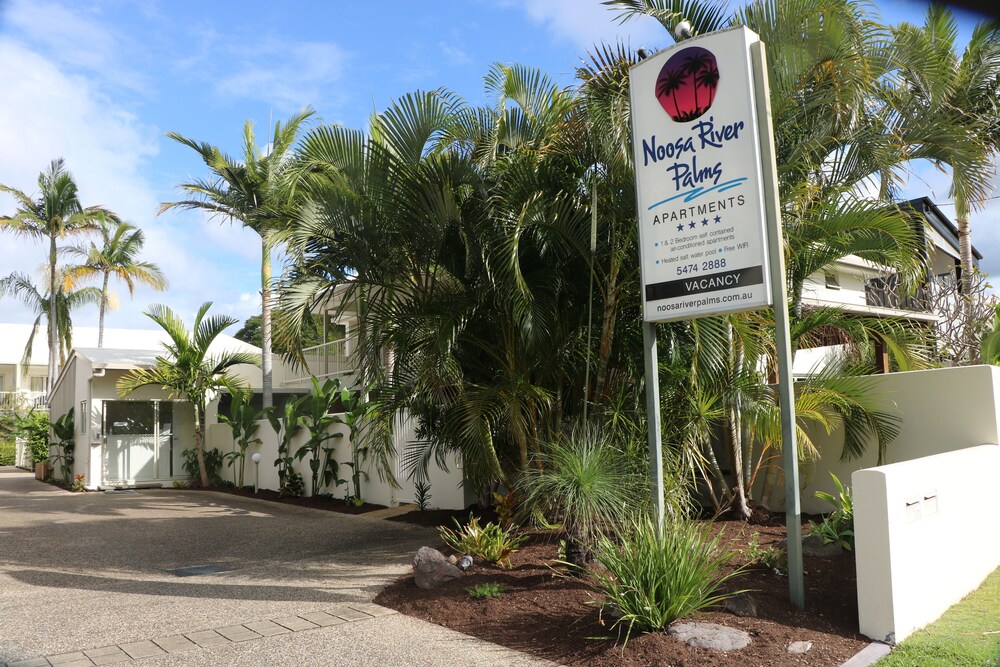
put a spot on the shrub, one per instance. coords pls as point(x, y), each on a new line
point(492, 543)
point(652, 578)
point(34, 427)
point(838, 525)
point(213, 464)
point(585, 482)
point(293, 486)
point(8, 451)
point(488, 590)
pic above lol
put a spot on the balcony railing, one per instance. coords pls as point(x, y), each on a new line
point(18, 401)
point(885, 292)
point(327, 360)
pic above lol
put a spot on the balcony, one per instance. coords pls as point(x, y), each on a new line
point(328, 360)
point(885, 292)
point(22, 401)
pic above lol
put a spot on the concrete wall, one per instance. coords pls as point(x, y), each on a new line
point(942, 410)
point(446, 489)
point(925, 537)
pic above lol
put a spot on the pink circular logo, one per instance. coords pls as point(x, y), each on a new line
point(687, 83)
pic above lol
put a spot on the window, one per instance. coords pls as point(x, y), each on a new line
point(1, 382)
point(832, 282)
point(37, 383)
point(83, 417)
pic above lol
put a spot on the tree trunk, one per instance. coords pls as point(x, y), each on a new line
point(53, 323)
point(965, 253)
point(102, 309)
point(265, 319)
point(199, 448)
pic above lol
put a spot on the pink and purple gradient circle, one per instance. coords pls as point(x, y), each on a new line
point(687, 83)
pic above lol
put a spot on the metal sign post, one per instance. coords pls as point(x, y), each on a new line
point(783, 342)
point(710, 238)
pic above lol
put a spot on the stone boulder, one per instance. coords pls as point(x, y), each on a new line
point(710, 635)
point(431, 569)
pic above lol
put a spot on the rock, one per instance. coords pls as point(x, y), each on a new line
point(431, 568)
point(741, 604)
point(812, 545)
point(799, 647)
point(710, 635)
point(465, 562)
point(453, 559)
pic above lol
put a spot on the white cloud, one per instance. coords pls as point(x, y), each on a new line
point(75, 39)
point(588, 22)
point(276, 71)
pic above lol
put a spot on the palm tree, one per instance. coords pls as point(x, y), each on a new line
point(669, 85)
point(254, 191)
point(55, 214)
point(118, 256)
point(42, 303)
point(188, 369)
point(963, 92)
point(693, 64)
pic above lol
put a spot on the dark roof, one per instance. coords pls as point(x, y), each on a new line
point(939, 222)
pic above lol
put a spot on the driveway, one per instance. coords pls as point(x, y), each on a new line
point(169, 577)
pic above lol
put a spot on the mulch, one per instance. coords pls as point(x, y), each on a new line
point(548, 614)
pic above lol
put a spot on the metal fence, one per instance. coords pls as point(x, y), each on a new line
point(20, 401)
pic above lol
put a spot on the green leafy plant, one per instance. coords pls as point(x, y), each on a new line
point(492, 543)
point(315, 410)
point(653, 577)
point(213, 464)
point(837, 526)
point(585, 483)
point(242, 419)
point(772, 558)
point(77, 484)
point(286, 424)
point(423, 495)
point(357, 417)
point(181, 484)
point(34, 427)
point(487, 590)
point(294, 486)
point(64, 431)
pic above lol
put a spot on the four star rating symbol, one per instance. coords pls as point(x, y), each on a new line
point(694, 223)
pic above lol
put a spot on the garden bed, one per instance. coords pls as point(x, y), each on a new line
point(557, 617)
point(321, 502)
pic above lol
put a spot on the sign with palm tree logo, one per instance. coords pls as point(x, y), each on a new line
point(698, 179)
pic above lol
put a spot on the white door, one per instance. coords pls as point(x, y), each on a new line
point(138, 441)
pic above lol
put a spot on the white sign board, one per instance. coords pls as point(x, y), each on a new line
point(702, 241)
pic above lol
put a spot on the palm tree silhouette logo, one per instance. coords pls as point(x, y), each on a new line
point(687, 83)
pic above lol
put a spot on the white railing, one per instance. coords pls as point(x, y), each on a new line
point(17, 401)
point(326, 360)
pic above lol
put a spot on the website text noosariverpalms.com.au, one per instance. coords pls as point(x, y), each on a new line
point(705, 301)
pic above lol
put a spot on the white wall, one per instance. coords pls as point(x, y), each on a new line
point(446, 490)
point(942, 410)
point(925, 537)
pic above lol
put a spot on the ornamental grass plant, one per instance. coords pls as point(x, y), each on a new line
point(652, 578)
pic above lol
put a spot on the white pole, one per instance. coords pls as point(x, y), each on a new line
point(779, 291)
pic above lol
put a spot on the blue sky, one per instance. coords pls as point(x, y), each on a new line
point(99, 83)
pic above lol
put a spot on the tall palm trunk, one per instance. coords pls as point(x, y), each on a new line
point(199, 446)
point(101, 310)
point(965, 255)
point(265, 319)
point(53, 323)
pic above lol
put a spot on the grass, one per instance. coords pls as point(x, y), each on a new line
point(968, 635)
point(483, 591)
